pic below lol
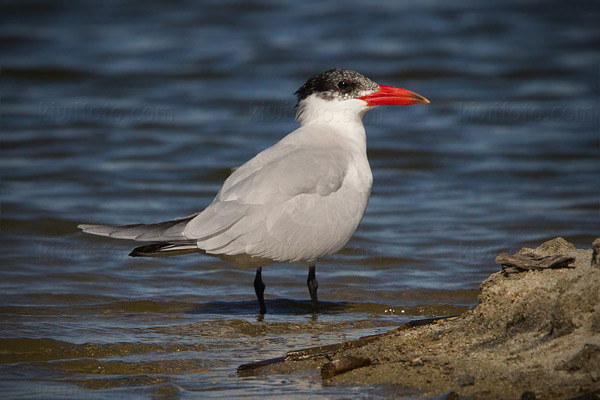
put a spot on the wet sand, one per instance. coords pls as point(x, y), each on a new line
point(536, 331)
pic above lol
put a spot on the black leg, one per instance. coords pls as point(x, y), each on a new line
point(259, 288)
point(312, 288)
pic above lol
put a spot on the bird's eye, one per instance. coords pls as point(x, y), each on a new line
point(342, 84)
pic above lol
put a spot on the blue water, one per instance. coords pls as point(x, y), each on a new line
point(124, 112)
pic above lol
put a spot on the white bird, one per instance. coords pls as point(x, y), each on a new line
point(297, 201)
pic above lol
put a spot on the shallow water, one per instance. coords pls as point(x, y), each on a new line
point(120, 113)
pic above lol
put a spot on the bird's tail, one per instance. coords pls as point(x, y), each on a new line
point(165, 249)
point(161, 231)
point(168, 235)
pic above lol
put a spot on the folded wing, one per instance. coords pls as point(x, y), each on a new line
point(263, 207)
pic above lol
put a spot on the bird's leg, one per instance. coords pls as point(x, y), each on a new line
point(259, 288)
point(312, 288)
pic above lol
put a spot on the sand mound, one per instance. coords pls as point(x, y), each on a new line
point(536, 332)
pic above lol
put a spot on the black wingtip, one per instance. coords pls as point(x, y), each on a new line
point(164, 249)
point(135, 253)
point(149, 250)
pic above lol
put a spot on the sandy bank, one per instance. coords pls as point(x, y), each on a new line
point(536, 331)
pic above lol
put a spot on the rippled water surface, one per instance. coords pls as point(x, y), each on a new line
point(120, 112)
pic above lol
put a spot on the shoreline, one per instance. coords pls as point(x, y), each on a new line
point(534, 333)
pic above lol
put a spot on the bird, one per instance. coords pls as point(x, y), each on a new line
point(296, 201)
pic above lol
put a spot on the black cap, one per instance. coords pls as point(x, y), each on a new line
point(337, 83)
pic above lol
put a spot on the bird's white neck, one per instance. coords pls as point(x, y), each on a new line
point(343, 116)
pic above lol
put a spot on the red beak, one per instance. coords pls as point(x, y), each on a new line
point(389, 95)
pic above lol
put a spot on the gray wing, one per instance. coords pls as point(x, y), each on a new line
point(284, 186)
point(262, 207)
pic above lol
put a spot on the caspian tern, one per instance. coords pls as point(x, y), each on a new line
point(297, 201)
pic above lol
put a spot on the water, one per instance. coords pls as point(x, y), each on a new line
point(120, 112)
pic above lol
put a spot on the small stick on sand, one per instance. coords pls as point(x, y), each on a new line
point(344, 364)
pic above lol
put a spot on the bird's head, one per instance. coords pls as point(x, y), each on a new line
point(341, 92)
